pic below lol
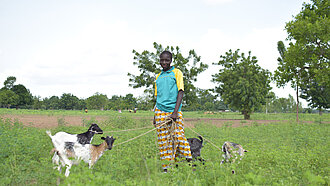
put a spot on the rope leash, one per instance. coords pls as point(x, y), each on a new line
point(163, 123)
point(172, 137)
point(205, 139)
point(171, 128)
point(127, 129)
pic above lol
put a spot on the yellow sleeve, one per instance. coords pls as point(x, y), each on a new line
point(179, 79)
point(156, 85)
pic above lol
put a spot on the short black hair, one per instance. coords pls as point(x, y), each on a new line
point(166, 52)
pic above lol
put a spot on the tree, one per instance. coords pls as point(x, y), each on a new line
point(148, 65)
point(69, 102)
point(37, 102)
point(9, 82)
point(130, 101)
point(307, 56)
point(97, 101)
point(52, 103)
point(144, 102)
point(316, 94)
point(242, 83)
point(25, 98)
point(8, 98)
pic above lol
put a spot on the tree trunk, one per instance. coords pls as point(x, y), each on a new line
point(297, 116)
point(246, 114)
point(320, 111)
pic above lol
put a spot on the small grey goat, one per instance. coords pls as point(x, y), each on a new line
point(195, 147)
point(231, 151)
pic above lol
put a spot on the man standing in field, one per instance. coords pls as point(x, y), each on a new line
point(169, 93)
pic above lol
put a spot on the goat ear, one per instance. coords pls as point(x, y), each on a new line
point(102, 138)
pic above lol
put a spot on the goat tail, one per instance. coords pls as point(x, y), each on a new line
point(49, 133)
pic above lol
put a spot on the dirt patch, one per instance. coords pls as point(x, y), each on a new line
point(44, 121)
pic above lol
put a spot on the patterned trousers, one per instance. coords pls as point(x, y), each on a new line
point(165, 143)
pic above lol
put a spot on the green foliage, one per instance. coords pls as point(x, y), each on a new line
point(52, 103)
point(149, 66)
point(279, 154)
point(14, 95)
point(123, 102)
point(317, 95)
point(69, 101)
point(24, 155)
point(305, 63)
point(25, 98)
point(9, 82)
point(281, 105)
point(242, 83)
point(8, 98)
point(97, 101)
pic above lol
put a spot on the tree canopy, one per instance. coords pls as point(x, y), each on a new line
point(305, 63)
point(242, 83)
point(148, 65)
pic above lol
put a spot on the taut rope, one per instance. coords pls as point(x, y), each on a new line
point(128, 129)
point(161, 124)
point(205, 138)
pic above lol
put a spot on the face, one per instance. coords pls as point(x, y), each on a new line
point(165, 61)
point(110, 141)
point(95, 128)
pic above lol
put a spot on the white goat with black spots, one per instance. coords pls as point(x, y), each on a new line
point(60, 138)
point(89, 153)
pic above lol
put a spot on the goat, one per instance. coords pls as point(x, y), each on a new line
point(89, 153)
point(60, 138)
point(230, 150)
point(195, 148)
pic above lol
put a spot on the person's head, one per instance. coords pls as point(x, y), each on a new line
point(165, 60)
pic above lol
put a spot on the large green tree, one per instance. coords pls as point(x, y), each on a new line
point(8, 98)
point(25, 98)
point(306, 59)
point(69, 102)
point(52, 103)
point(241, 83)
point(97, 101)
point(148, 65)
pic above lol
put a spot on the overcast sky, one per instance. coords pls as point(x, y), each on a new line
point(83, 46)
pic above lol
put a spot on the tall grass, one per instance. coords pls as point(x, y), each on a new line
point(283, 154)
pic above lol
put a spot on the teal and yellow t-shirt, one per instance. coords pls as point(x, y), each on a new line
point(167, 87)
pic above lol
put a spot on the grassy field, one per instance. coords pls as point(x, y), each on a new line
point(284, 153)
point(197, 114)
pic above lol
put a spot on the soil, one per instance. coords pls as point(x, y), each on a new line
point(44, 121)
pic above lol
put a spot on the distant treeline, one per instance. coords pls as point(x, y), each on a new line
point(18, 96)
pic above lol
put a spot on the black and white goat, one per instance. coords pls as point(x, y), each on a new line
point(232, 151)
point(60, 138)
point(89, 153)
point(196, 147)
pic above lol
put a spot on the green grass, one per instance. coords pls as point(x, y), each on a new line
point(279, 154)
point(195, 114)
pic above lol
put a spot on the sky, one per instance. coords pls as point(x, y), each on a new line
point(83, 47)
